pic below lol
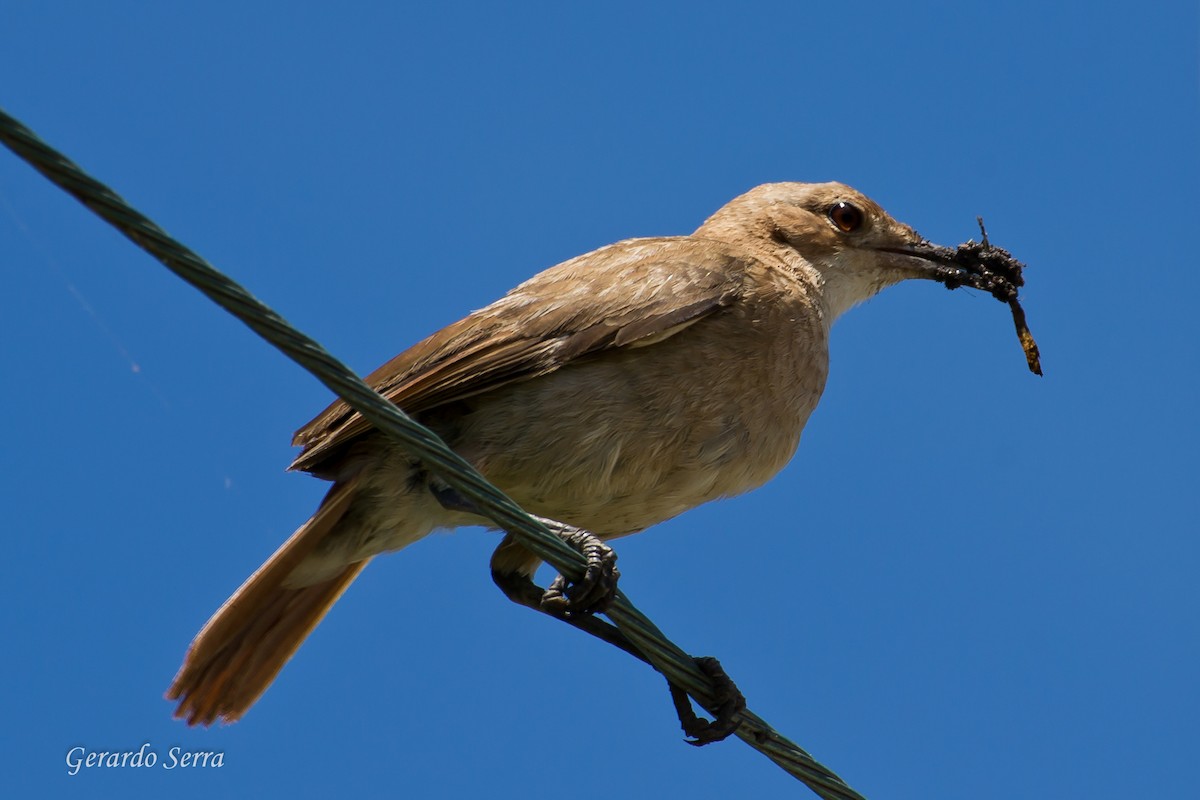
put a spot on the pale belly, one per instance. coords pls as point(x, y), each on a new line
point(623, 442)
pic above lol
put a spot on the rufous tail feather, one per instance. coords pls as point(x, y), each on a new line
point(241, 649)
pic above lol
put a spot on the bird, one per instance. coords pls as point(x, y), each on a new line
point(608, 393)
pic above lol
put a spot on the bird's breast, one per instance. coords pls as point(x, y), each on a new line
point(629, 438)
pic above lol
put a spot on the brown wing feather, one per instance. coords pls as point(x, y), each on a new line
point(628, 294)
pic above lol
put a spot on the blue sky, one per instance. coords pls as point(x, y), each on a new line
point(970, 582)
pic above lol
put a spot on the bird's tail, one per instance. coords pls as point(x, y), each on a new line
point(243, 646)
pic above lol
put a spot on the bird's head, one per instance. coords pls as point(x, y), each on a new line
point(850, 246)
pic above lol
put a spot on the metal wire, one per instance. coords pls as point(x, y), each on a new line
point(662, 654)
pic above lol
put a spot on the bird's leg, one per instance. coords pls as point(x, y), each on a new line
point(593, 594)
point(728, 699)
point(523, 591)
point(728, 703)
point(579, 611)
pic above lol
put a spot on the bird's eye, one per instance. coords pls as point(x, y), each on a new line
point(847, 217)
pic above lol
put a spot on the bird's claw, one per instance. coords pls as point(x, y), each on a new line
point(596, 591)
point(728, 704)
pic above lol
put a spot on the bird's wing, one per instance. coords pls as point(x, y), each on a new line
point(630, 294)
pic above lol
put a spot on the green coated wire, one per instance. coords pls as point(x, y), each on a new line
point(660, 652)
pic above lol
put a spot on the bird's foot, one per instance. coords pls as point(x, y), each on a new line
point(728, 704)
point(595, 592)
point(592, 594)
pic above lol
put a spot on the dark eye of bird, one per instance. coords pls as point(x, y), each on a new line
point(847, 217)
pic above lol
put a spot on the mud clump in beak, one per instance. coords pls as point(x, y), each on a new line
point(995, 271)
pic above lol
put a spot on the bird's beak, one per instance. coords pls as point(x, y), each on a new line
point(975, 264)
point(931, 261)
